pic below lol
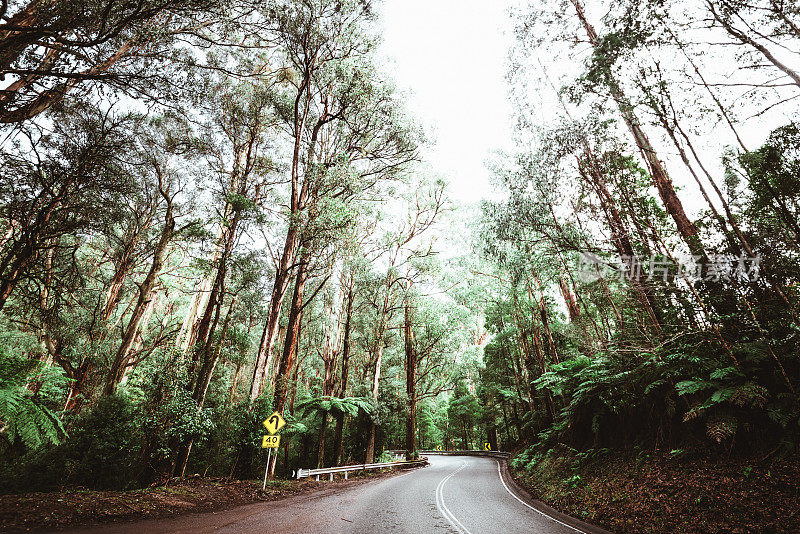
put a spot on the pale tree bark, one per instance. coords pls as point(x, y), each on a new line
point(330, 354)
point(411, 380)
point(188, 332)
point(338, 434)
point(369, 457)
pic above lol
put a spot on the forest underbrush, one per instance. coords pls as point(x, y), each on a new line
point(667, 491)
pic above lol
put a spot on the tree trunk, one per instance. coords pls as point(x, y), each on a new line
point(323, 427)
point(661, 179)
point(290, 345)
point(122, 357)
point(370, 455)
point(620, 238)
point(298, 198)
point(209, 364)
point(281, 284)
point(338, 435)
point(379, 335)
point(188, 332)
point(569, 300)
point(411, 382)
point(79, 388)
point(123, 267)
point(492, 438)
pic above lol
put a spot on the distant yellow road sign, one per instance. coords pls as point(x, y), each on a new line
point(487, 446)
point(274, 422)
point(270, 442)
point(438, 447)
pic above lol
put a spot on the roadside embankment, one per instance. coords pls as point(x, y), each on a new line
point(656, 492)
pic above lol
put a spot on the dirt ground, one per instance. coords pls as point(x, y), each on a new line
point(79, 507)
point(660, 494)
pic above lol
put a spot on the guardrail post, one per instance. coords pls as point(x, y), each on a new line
point(345, 475)
point(317, 478)
point(331, 477)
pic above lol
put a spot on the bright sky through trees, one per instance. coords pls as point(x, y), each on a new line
point(455, 74)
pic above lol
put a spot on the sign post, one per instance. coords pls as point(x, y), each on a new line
point(266, 470)
point(273, 423)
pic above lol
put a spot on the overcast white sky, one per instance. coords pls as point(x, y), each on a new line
point(450, 57)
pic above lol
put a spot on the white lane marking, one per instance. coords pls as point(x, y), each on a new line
point(500, 474)
point(456, 524)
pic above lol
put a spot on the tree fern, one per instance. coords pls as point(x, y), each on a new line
point(347, 405)
point(23, 415)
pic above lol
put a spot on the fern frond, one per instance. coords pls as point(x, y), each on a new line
point(721, 428)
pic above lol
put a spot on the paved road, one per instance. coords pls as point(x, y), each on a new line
point(454, 494)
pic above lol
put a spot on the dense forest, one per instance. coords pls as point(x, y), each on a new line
point(210, 211)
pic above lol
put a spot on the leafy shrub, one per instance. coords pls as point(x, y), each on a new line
point(659, 396)
point(101, 452)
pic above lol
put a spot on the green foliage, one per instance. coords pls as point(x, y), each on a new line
point(611, 398)
point(24, 415)
point(385, 457)
point(347, 405)
point(101, 452)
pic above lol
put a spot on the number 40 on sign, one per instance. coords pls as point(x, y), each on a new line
point(270, 442)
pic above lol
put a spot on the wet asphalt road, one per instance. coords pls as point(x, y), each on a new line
point(454, 494)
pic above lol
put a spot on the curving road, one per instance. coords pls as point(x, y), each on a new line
point(454, 494)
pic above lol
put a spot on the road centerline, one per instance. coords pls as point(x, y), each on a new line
point(443, 509)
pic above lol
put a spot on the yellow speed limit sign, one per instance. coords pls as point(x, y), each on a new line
point(270, 442)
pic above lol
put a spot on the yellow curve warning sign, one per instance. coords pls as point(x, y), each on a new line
point(274, 422)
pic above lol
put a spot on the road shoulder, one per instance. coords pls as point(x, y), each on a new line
point(80, 508)
point(522, 494)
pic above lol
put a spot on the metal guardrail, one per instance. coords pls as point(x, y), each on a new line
point(494, 454)
point(302, 473)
